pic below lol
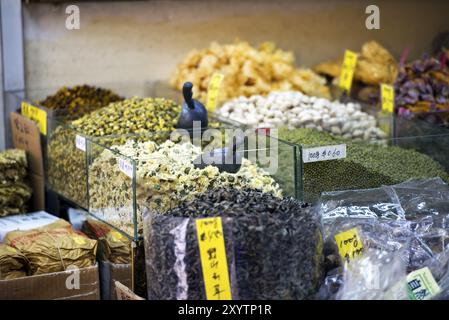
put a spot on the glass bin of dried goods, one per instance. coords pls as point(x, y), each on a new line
point(157, 170)
point(329, 163)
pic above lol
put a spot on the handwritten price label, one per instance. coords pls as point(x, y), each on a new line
point(125, 167)
point(35, 114)
point(80, 143)
point(213, 258)
point(213, 90)
point(387, 94)
point(324, 153)
point(349, 244)
point(347, 70)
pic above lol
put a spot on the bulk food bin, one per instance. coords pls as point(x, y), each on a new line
point(156, 171)
point(67, 158)
point(329, 163)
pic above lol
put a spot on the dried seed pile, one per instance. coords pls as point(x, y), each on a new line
point(14, 192)
point(275, 245)
point(67, 165)
point(367, 165)
point(79, 100)
point(165, 175)
point(297, 110)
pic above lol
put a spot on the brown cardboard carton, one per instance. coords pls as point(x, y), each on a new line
point(109, 274)
point(54, 286)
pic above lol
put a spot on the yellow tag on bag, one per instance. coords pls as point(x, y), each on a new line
point(35, 114)
point(213, 258)
point(347, 70)
point(349, 244)
point(213, 91)
point(387, 95)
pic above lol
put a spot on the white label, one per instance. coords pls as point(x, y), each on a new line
point(125, 167)
point(334, 152)
point(80, 143)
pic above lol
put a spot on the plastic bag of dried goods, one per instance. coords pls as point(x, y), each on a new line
point(363, 203)
point(13, 264)
point(275, 243)
point(377, 275)
point(113, 246)
point(54, 247)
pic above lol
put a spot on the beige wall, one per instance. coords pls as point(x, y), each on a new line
point(137, 42)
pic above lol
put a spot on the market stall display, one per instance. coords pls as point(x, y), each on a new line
point(273, 246)
point(365, 165)
point(161, 175)
point(14, 191)
point(297, 110)
point(247, 71)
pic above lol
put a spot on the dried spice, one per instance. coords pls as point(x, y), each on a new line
point(67, 164)
point(247, 71)
point(112, 245)
point(275, 244)
point(54, 247)
point(79, 100)
point(367, 165)
point(165, 175)
point(13, 264)
point(14, 192)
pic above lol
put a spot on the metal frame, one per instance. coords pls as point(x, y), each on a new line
point(13, 63)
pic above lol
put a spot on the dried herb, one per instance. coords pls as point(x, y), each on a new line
point(79, 100)
point(275, 245)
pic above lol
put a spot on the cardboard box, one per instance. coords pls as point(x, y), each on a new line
point(54, 286)
point(109, 274)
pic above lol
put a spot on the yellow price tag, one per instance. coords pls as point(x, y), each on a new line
point(213, 90)
point(387, 94)
point(37, 115)
point(347, 70)
point(213, 258)
point(349, 244)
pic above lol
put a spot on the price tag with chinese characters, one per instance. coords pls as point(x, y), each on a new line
point(213, 91)
point(125, 167)
point(349, 244)
point(213, 258)
point(421, 285)
point(347, 70)
point(37, 115)
point(324, 153)
point(387, 94)
point(80, 143)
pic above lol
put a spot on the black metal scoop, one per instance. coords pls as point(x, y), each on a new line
point(192, 110)
point(224, 159)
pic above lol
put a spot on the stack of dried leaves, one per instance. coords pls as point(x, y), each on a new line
point(273, 246)
point(13, 264)
point(14, 192)
point(67, 164)
point(79, 100)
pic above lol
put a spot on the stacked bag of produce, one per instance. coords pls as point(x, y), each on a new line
point(14, 191)
point(273, 246)
point(401, 236)
point(51, 248)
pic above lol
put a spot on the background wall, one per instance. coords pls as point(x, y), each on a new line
point(140, 41)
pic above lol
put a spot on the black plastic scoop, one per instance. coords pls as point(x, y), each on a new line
point(192, 110)
point(226, 159)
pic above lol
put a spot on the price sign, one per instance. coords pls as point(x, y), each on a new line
point(387, 94)
point(213, 258)
point(324, 153)
point(213, 91)
point(349, 244)
point(35, 114)
point(80, 143)
point(347, 70)
point(421, 285)
point(125, 167)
